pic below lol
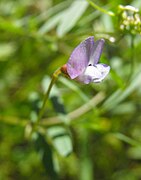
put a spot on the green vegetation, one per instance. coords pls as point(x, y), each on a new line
point(86, 132)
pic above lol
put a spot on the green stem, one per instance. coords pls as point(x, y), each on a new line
point(132, 55)
point(54, 78)
point(132, 59)
point(110, 13)
point(52, 121)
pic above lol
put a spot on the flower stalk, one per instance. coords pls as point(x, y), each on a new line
point(53, 80)
point(110, 13)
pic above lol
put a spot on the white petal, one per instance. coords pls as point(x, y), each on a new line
point(103, 69)
point(94, 73)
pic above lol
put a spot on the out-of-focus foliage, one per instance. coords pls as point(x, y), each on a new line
point(88, 131)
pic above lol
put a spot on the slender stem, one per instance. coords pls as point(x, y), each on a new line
point(52, 121)
point(132, 59)
point(10, 120)
point(54, 78)
point(110, 13)
point(132, 55)
point(77, 112)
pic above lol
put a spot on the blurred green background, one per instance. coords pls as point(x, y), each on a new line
point(88, 131)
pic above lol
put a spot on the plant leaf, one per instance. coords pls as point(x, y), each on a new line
point(71, 16)
point(61, 140)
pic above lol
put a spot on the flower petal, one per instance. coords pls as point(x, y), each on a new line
point(80, 57)
point(94, 74)
point(104, 70)
point(97, 51)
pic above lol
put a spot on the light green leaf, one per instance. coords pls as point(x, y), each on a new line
point(51, 23)
point(52, 11)
point(61, 140)
point(71, 16)
point(65, 19)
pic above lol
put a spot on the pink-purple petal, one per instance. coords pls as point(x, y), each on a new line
point(97, 51)
point(80, 57)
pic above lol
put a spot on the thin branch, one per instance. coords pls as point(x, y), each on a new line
point(54, 78)
point(110, 13)
point(78, 112)
point(52, 121)
point(14, 120)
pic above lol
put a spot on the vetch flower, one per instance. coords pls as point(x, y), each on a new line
point(83, 63)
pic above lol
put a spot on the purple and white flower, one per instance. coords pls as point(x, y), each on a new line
point(83, 63)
